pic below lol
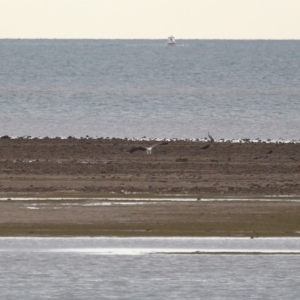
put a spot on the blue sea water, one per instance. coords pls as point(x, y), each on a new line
point(135, 88)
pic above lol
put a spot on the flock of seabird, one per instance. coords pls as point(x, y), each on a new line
point(148, 150)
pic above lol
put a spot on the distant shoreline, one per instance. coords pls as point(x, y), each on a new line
point(204, 139)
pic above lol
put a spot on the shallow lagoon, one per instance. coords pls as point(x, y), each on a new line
point(149, 268)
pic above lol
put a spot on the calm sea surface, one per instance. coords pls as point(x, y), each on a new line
point(149, 268)
point(136, 88)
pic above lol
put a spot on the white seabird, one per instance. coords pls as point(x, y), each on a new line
point(147, 149)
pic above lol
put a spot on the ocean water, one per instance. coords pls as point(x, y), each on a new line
point(136, 88)
point(149, 268)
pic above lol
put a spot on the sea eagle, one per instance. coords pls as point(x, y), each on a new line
point(147, 149)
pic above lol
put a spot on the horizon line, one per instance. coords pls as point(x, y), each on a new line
point(185, 39)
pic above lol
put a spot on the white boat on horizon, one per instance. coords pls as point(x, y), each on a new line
point(171, 41)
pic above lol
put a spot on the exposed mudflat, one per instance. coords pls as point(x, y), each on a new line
point(103, 168)
point(104, 165)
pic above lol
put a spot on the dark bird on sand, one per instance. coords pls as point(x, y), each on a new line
point(270, 151)
point(147, 149)
point(205, 147)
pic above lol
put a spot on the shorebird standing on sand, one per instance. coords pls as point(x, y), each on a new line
point(147, 149)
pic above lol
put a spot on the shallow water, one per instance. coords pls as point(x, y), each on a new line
point(136, 88)
point(146, 268)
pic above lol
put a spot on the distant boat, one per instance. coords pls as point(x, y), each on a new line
point(171, 41)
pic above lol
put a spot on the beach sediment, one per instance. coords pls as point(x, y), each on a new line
point(93, 168)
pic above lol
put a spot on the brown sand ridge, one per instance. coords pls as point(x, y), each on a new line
point(90, 168)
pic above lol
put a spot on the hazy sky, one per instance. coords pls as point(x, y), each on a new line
point(150, 19)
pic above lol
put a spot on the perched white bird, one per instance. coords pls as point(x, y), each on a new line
point(147, 149)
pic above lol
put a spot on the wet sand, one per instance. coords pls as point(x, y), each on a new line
point(89, 168)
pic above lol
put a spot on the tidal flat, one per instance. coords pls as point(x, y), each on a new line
point(95, 187)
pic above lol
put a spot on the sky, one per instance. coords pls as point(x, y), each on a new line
point(150, 19)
